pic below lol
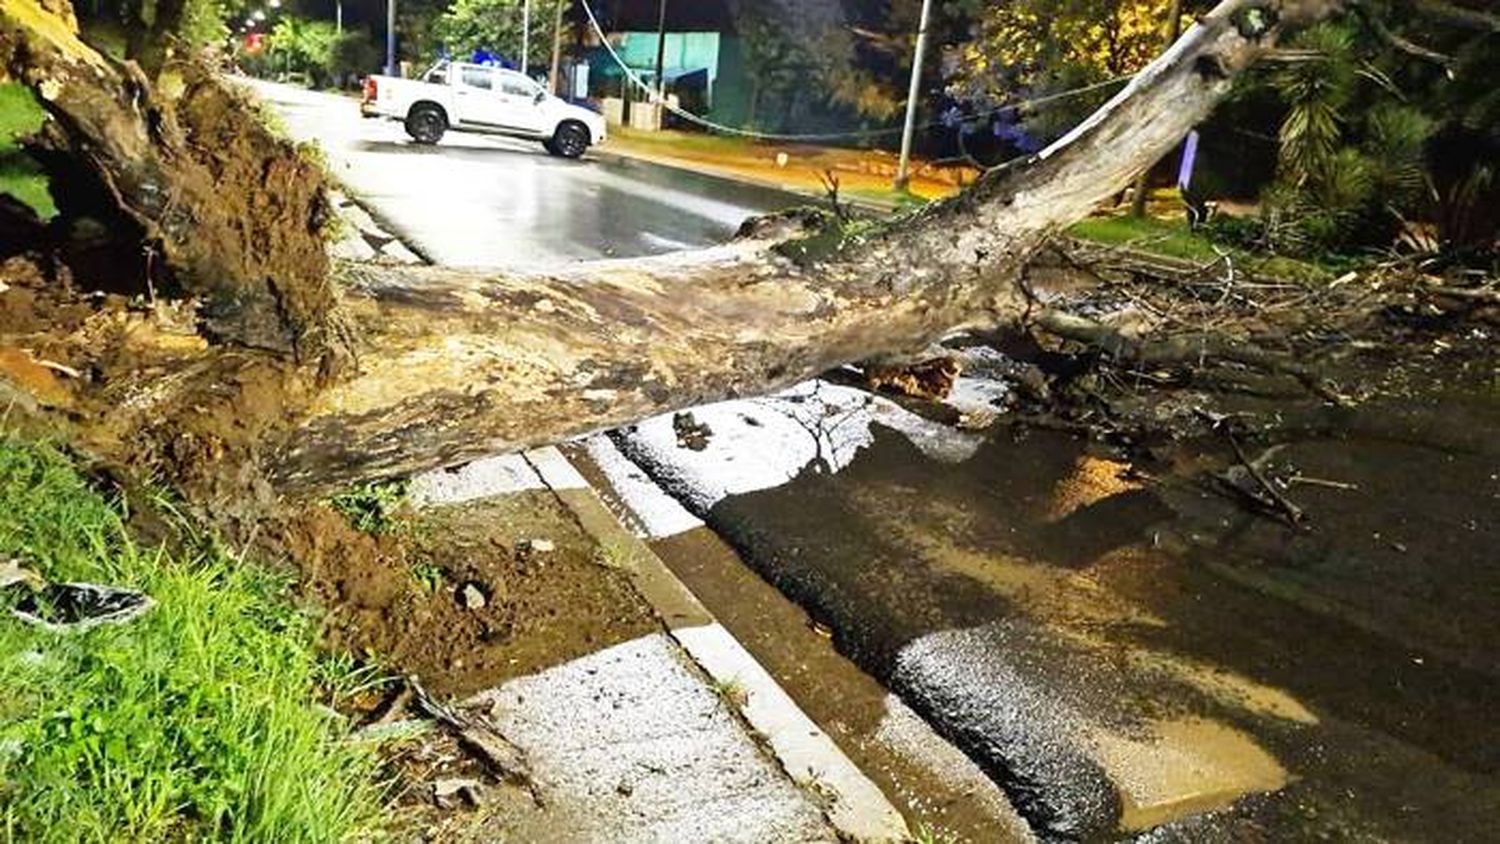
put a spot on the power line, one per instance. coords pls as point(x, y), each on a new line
point(658, 99)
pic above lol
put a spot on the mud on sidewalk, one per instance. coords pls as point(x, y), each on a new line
point(485, 587)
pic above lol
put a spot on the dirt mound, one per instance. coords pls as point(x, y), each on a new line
point(263, 225)
point(462, 597)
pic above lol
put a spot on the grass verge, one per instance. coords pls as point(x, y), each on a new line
point(203, 719)
point(20, 175)
point(1174, 239)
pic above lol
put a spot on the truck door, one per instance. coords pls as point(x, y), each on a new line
point(475, 94)
point(523, 109)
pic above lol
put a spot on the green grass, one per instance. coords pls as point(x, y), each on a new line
point(429, 576)
point(373, 507)
point(687, 141)
point(201, 720)
point(20, 175)
point(901, 200)
point(927, 834)
point(1174, 239)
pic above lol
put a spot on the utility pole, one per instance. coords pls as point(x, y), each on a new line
point(557, 22)
point(338, 16)
point(390, 37)
point(525, 33)
point(903, 176)
point(1174, 28)
point(661, 51)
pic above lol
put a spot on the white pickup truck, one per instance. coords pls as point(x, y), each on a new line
point(478, 98)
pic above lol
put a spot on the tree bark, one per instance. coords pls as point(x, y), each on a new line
point(454, 364)
point(557, 30)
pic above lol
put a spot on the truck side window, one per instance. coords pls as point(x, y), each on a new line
point(437, 76)
point(478, 77)
point(517, 85)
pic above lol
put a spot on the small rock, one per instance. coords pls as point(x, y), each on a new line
point(540, 546)
point(446, 793)
point(471, 597)
point(691, 433)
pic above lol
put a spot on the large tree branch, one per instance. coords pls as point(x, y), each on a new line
point(469, 365)
point(455, 364)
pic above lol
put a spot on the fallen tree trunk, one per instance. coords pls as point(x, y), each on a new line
point(454, 364)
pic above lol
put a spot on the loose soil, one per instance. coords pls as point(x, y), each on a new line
point(399, 598)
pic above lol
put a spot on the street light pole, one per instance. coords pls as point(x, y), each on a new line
point(903, 177)
point(338, 16)
point(525, 33)
point(390, 37)
point(661, 51)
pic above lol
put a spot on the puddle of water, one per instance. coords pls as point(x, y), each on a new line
point(749, 445)
point(1092, 480)
point(1184, 766)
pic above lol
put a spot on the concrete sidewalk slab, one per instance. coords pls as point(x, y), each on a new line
point(629, 744)
point(855, 805)
point(672, 737)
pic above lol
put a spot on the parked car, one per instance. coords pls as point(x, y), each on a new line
point(479, 98)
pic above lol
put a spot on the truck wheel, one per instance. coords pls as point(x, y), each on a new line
point(570, 140)
point(426, 123)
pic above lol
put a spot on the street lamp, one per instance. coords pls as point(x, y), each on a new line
point(661, 55)
point(902, 176)
point(525, 33)
point(390, 37)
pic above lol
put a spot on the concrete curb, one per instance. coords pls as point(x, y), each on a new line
point(855, 806)
point(369, 239)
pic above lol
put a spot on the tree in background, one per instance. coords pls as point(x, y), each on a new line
point(302, 45)
point(846, 72)
point(777, 65)
point(1032, 48)
point(354, 55)
point(495, 26)
point(1389, 133)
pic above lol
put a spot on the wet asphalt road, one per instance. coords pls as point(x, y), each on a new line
point(476, 200)
point(1123, 658)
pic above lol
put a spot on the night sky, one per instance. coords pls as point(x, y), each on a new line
point(682, 15)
